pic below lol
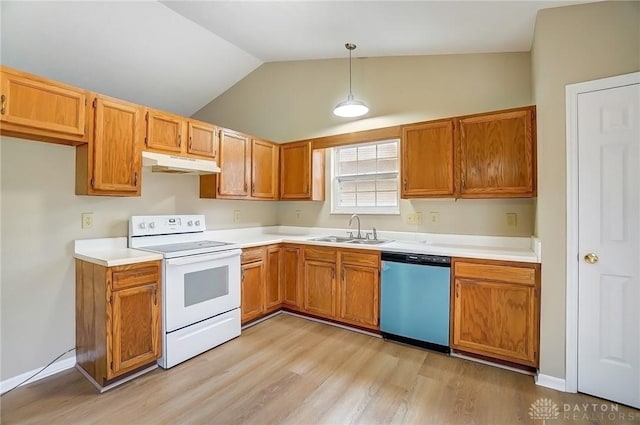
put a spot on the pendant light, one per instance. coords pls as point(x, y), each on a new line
point(351, 107)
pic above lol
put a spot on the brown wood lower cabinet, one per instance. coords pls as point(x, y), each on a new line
point(118, 318)
point(496, 309)
point(360, 288)
point(336, 284)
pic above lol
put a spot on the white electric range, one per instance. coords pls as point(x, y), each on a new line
point(200, 283)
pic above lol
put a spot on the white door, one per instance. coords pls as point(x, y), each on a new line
point(609, 244)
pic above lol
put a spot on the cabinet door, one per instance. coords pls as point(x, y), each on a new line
point(497, 155)
point(118, 134)
point(496, 319)
point(273, 291)
point(40, 109)
point(203, 140)
point(295, 171)
point(164, 131)
point(359, 291)
point(320, 288)
point(135, 328)
point(264, 169)
point(252, 290)
point(235, 159)
point(291, 276)
point(427, 160)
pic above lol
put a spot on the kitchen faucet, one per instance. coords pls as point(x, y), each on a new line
point(359, 235)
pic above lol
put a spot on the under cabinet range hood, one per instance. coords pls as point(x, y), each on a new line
point(163, 163)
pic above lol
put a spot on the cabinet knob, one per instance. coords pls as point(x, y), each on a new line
point(3, 107)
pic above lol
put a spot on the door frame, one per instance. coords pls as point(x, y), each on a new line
point(571, 336)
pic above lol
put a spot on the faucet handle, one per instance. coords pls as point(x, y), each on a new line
point(350, 234)
point(375, 234)
point(367, 235)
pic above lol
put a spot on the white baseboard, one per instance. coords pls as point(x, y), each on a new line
point(551, 382)
point(56, 367)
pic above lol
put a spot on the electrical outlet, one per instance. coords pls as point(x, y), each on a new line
point(87, 220)
point(434, 217)
point(512, 219)
point(236, 216)
point(298, 215)
point(415, 218)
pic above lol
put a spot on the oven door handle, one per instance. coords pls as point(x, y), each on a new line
point(192, 259)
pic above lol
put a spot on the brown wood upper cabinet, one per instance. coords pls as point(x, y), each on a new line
point(427, 160)
point(118, 318)
point(110, 163)
point(301, 172)
point(497, 154)
point(248, 167)
point(37, 108)
point(177, 135)
point(496, 309)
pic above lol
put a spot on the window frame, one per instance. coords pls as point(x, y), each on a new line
point(334, 183)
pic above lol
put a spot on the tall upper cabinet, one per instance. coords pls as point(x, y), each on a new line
point(37, 108)
point(427, 160)
point(497, 154)
point(249, 169)
point(110, 163)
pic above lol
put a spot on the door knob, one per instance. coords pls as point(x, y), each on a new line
point(591, 258)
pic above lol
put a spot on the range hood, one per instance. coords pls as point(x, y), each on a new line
point(163, 163)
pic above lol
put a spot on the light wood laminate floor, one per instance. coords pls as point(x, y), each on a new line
point(289, 370)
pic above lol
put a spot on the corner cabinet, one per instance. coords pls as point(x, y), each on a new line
point(496, 309)
point(291, 276)
point(301, 172)
point(37, 108)
point(118, 319)
point(497, 154)
point(427, 160)
point(249, 169)
point(110, 164)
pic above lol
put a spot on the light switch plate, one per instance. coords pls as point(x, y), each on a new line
point(236, 216)
point(87, 220)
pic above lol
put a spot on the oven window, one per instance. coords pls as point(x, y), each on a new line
point(206, 285)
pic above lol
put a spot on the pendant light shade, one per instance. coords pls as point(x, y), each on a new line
point(351, 107)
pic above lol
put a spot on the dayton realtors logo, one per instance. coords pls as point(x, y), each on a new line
point(545, 409)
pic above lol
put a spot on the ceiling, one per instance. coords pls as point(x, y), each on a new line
point(180, 55)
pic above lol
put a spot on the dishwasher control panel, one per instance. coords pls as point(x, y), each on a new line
point(426, 259)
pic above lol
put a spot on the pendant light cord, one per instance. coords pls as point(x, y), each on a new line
point(350, 92)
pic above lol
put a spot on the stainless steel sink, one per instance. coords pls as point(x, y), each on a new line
point(334, 239)
point(368, 241)
point(346, 239)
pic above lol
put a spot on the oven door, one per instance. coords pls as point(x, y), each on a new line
point(198, 287)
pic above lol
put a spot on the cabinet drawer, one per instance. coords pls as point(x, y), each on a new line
point(360, 258)
point(322, 254)
point(134, 275)
point(496, 272)
point(250, 255)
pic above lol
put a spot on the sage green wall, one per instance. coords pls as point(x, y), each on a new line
point(571, 44)
point(40, 219)
point(287, 101)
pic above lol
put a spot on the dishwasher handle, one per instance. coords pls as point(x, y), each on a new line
point(421, 259)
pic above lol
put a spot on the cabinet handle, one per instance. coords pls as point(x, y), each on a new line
point(457, 290)
point(190, 142)
point(135, 179)
point(343, 274)
point(333, 273)
point(3, 108)
point(253, 188)
point(462, 182)
point(215, 153)
point(179, 140)
point(242, 276)
point(404, 183)
point(245, 186)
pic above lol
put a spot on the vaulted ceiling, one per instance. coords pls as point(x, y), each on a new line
point(180, 55)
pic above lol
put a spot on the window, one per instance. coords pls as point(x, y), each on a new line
point(365, 178)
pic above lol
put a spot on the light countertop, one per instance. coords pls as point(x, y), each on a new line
point(113, 251)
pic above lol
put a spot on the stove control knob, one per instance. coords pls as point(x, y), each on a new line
point(152, 225)
point(197, 222)
point(189, 223)
point(142, 225)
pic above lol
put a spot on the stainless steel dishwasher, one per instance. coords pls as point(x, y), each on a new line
point(414, 299)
